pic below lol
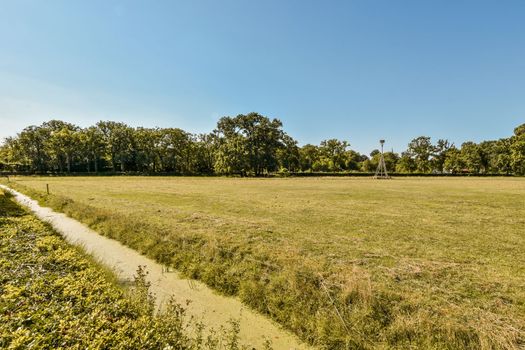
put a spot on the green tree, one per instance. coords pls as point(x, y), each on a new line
point(517, 150)
point(353, 160)
point(501, 159)
point(118, 138)
point(256, 137)
point(205, 151)
point(175, 150)
point(454, 162)
point(308, 155)
point(10, 157)
point(406, 163)
point(146, 144)
point(93, 147)
point(471, 156)
point(32, 148)
point(288, 155)
point(233, 156)
point(333, 154)
point(421, 150)
point(439, 154)
point(63, 145)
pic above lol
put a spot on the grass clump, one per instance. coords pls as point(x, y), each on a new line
point(53, 296)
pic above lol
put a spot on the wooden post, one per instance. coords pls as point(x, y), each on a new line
point(47, 188)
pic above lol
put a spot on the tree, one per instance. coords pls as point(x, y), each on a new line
point(205, 146)
point(10, 157)
point(257, 137)
point(517, 150)
point(93, 147)
point(406, 163)
point(421, 150)
point(352, 160)
point(175, 147)
point(308, 155)
point(440, 154)
point(454, 162)
point(32, 147)
point(288, 155)
point(146, 144)
point(333, 154)
point(501, 158)
point(118, 138)
point(63, 144)
point(471, 156)
point(233, 156)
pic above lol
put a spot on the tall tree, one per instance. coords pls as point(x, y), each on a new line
point(501, 159)
point(146, 144)
point(440, 154)
point(32, 142)
point(353, 160)
point(454, 162)
point(254, 134)
point(205, 146)
point(421, 150)
point(333, 154)
point(233, 156)
point(63, 144)
point(175, 150)
point(308, 155)
point(118, 138)
point(406, 163)
point(471, 156)
point(288, 155)
point(517, 150)
point(92, 141)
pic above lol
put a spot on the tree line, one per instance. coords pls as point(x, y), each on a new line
point(247, 145)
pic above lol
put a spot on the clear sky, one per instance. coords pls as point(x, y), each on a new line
point(353, 70)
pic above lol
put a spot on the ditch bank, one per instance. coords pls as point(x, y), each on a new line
point(204, 304)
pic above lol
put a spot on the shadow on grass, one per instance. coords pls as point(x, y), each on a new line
point(8, 207)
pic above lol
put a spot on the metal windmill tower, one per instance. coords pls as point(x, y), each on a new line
point(381, 172)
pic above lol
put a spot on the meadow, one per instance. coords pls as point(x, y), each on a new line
point(343, 262)
point(54, 296)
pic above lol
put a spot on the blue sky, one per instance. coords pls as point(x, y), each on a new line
point(353, 70)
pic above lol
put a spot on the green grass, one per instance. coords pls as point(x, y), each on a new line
point(54, 296)
point(413, 262)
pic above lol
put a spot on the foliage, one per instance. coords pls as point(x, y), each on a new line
point(249, 143)
point(246, 145)
point(517, 150)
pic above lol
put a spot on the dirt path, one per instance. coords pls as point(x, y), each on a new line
point(206, 305)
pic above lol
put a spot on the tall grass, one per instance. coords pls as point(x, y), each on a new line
point(53, 296)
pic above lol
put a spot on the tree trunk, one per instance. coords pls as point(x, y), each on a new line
point(113, 165)
point(96, 163)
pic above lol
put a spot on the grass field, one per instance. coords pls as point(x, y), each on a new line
point(54, 296)
point(343, 262)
